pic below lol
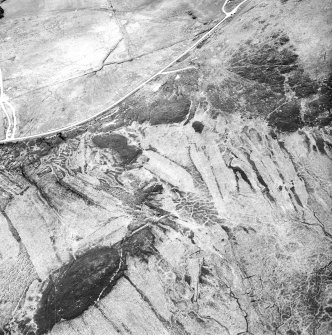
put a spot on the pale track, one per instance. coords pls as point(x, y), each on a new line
point(162, 71)
point(4, 100)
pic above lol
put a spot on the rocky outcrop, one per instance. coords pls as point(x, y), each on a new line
point(199, 205)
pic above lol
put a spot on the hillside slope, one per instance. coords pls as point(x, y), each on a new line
point(199, 205)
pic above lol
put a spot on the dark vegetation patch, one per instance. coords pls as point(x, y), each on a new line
point(259, 85)
point(174, 99)
point(267, 63)
point(283, 39)
point(119, 144)
point(140, 245)
point(249, 98)
point(165, 111)
point(219, 100)
point(239, 172)
point(187, 279)
point(204, 274)
point(77, 286)
point(319, 113)
point(320, 143)
point(2, 11)
point(287, 118)
point(261, 99)
point(301, 84)
point(320, 109)
point(263, 68)
point(148, 194)
point(260, 179)
point(192, 15)
point(161, 111)
point(329, 310)
point(198, 126)
point(296, 197)
point(170, 104)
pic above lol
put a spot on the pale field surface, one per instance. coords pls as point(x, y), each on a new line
point(64, 61)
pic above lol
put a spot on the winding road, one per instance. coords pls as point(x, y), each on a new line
point(10, 133)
